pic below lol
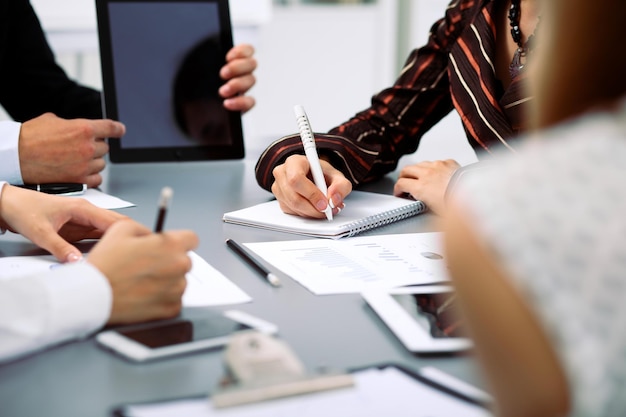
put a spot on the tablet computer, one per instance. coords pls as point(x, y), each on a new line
point(162, 339)
point(160, 73)
point(424, 318)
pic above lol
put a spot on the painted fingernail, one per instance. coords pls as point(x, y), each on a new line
point(336, 200)
point(74, 257)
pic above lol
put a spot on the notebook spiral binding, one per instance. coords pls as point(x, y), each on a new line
point(385, 218)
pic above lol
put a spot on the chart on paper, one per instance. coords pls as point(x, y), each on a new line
point(358, 263)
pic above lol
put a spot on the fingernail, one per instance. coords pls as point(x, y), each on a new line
point(74, 257)
point(336, 200)
point(321, 205)
point(224, 90)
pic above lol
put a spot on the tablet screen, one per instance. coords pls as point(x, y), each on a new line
point(435, 313)
point(184, 331)
point(160, 64)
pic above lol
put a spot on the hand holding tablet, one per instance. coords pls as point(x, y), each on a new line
point(161, 62)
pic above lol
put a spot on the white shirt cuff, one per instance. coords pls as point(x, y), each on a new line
point(63, 303)
point(9, 152)
point(80, 300)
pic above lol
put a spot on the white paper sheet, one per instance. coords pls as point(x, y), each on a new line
point(103, 200)
point(358, 263)
point(387, 392)
point(206, 286)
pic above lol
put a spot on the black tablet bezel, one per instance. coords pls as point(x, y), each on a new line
point(197, 152)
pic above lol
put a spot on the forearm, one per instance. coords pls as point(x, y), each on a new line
point(31, 82)
point(60, 304)
point(370, 144)
point(353, 160)
point(364, 148)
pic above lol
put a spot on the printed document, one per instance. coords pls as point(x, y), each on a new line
point(355, 264)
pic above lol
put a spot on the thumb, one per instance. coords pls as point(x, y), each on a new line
point(60, 248)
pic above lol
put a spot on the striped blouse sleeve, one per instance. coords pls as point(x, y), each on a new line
point(370, 144)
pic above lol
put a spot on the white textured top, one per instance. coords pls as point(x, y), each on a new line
point(555, 215)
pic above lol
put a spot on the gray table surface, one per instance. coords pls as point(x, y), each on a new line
point(337, 331)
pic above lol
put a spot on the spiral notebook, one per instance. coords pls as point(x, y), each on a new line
point(364, 211)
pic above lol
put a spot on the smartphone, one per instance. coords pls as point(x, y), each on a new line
point(167, 338)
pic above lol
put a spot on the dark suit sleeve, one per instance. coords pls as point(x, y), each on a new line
point(31, 82)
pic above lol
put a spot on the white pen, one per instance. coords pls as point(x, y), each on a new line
point(308, 141)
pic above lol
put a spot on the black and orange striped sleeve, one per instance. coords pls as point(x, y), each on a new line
point(370, 144)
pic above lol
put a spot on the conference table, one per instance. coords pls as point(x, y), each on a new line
point(79, 378)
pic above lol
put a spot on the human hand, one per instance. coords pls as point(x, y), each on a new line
point(237, 72)
point(426, 181)
point(297, 193)
point(52, 149)
point(51, 222)
point(146, 270)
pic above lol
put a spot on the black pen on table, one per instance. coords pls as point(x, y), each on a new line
point(239, 250)
point(164, 201)
point(58, 188)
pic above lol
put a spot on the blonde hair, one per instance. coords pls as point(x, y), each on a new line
point(580, 63)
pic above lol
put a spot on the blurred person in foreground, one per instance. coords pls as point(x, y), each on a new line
point(537, 252)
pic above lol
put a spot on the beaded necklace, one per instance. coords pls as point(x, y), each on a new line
point(519, 57)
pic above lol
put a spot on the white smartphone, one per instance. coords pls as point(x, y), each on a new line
point(178, 336)
point(423, 317)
